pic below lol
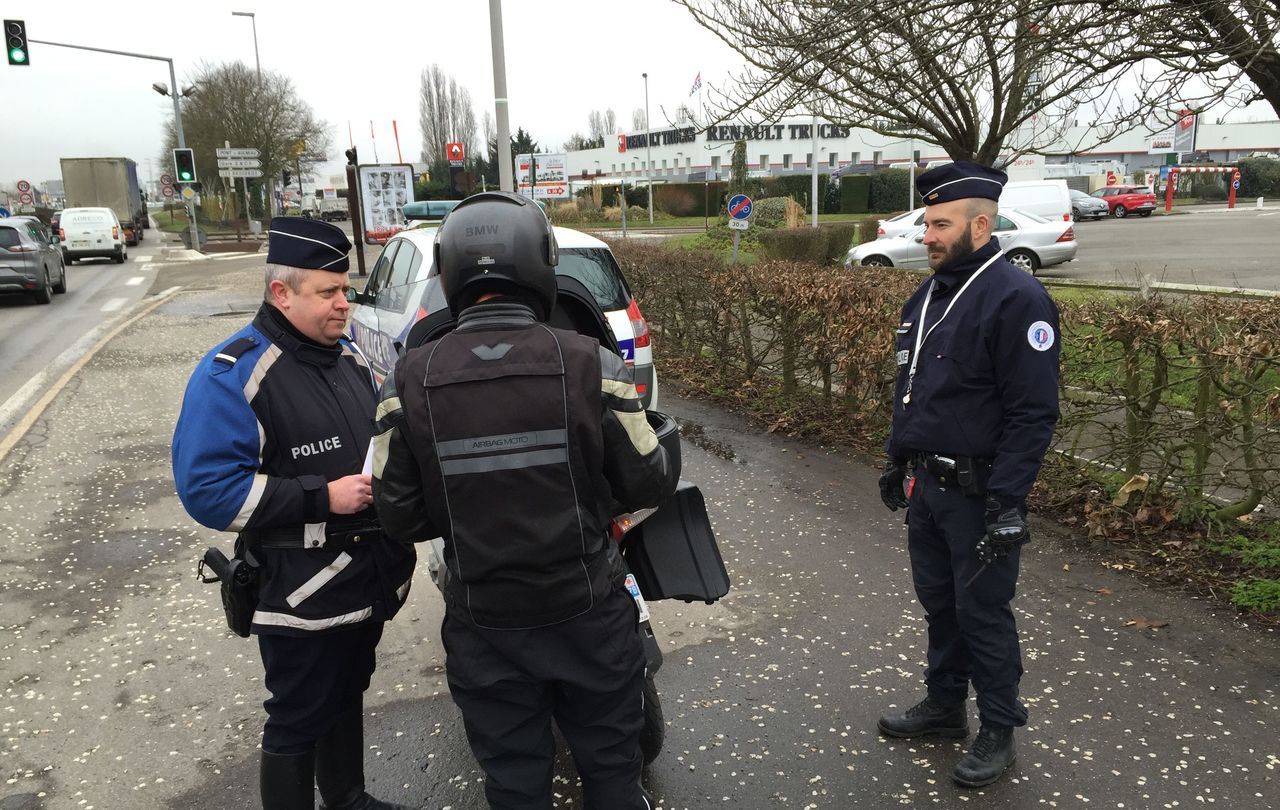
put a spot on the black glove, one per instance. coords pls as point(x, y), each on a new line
point(1006, 530)
point(895, 472)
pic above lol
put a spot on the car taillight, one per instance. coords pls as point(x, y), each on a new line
point(1066, 217)
point(638, 324)
point(62, 234)
point(1069, 235)
point(880, 231)
point(115, 232)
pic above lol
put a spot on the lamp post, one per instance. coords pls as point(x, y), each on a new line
point(648, 144)
point(254, 20)
point(813, 168)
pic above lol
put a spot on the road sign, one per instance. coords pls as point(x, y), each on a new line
point(239, 172)
point(1236, 184)
point(23, 186)
point(239, 163)
point(739, 224)
point(166, 180)
point(454, 151)
point(739, 206)
point(236, 153)
point(1234, 176)
point(25, 198)
point(167, 191)
point(188, 192)
point(555, 191)
point(1112, 179)
point(4, 212)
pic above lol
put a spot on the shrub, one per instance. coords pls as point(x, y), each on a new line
point(677, 201)
point(769, 212)
point(868, 229)
point(564, 213)
point(636, 213)
point(855, 194)
point(889, 190)
point(795, 244)
point(1257, 594)
point(1259, 177)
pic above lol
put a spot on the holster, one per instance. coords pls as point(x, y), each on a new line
point(972, 475)
point(238, 578)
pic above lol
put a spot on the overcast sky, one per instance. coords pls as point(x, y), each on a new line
point(565, 58)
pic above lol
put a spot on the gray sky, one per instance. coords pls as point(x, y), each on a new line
point(565, 58)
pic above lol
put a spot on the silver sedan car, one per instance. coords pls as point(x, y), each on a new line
point(1029, 242)
point(1084, 206)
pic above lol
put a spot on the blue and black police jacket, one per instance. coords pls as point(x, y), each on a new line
point(268, 419)
point(986, 381)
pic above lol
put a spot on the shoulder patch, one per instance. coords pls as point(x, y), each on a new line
point(234, 350)
point(1040, 336)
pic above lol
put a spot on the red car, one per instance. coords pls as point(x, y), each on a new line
point(1125, 200)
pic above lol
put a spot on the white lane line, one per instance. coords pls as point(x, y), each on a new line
point(135, 281)
point(114, 304)
point(142, 259)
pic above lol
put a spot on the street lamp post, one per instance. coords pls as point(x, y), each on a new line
point(813, 167)
point(505, 170)
point(257, 62)
point(648, 143)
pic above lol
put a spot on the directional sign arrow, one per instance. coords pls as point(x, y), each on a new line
point(239, 163)
point(240, 172)
point(234, 152)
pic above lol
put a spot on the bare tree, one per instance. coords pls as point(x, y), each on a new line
point(638, 119)
point(979, 79)
point(232, 104)
point(445, 114)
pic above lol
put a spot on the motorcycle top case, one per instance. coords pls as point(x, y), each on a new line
point(673, 553)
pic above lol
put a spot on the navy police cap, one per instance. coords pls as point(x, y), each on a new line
point(308, 243)
point(961, 180)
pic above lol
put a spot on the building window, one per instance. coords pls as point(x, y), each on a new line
point(875, 158)
point(832, 159)
point(664, 164)
point(808, 161)
point(613, 168)
point(855, 159)
point(786, 161)
point(764, 161)
point(688, 163)
point(715, 163)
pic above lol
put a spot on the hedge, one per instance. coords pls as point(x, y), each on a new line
point(855, 194)
point(824, 245)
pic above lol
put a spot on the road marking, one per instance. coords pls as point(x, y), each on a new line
point(135, 281)
point(141, 259)
point(114, 304)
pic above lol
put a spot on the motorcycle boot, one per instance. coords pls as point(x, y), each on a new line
point(992, 752)
point(340, 766)
point(287, 781)
point(927, 717)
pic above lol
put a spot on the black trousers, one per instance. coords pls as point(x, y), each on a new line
point(587, 673)
point(312, 679)
point(972, 634)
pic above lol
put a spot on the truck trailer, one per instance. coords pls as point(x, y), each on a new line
point(107, 183)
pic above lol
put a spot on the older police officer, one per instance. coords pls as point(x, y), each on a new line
point(974, 411)
point(270, 444)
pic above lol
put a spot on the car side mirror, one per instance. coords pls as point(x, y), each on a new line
point(919, 240)
point(354, 296)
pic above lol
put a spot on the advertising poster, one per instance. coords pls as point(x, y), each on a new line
point(384, 191)
point(550, 176)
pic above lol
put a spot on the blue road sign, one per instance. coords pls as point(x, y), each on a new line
point(739, 206)
point(1235, 184)
point(4, 212)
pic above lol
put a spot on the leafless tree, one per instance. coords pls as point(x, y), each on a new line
point(232, 104)
point(445, 114)
point(638, 120)
point(980, 79)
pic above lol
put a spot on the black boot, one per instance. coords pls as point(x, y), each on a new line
point(287, 781)
point(992, 752)
point(340, 766)
point(927, 717)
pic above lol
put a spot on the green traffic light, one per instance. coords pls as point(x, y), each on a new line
point(17, 55)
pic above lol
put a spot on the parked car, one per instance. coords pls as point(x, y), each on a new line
point(1029, 241)
point(402, 305)
point(91, 232)
point(1084, 206)
point(29, 259)
point(1045, 198)
point(900, 224)
point(1125, 200)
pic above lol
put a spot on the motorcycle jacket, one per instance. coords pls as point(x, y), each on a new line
point(268, 419)
point(513, 440)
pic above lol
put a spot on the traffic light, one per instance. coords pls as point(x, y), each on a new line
point(286, 176)
point(351, 157)
point(15, 42)
point(184, 165)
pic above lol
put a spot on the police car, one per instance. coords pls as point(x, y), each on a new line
point(402, 306)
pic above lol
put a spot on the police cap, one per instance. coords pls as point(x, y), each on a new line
point(308, 243)
point(961, 180)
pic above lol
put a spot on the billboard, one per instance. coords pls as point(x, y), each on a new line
point(1179, 138)
point(385, 188)
point(550, 176)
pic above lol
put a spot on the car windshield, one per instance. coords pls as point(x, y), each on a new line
point(598, 272)
point(9, 237)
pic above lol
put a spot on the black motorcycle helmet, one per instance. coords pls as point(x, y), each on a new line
point(497, 242)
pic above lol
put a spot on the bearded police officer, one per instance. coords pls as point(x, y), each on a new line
point(270, 444)
point(511, 439)
point(975, 407)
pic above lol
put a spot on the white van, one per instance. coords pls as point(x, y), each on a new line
point(1046, 198)
point(89, 232)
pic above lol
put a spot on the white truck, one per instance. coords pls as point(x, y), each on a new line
point(107, 183)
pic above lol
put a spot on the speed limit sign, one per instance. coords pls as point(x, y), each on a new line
point(23, 186)
point(167, 191)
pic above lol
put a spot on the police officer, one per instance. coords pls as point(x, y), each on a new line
point(511, 439)
point(974, 410)
point(270, 444)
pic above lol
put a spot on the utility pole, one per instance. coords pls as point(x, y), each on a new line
point(648, 143)
point(505, 180)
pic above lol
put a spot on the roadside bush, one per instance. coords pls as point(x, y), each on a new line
point(868, 229)
point(1259, 177)
point(564, 213)
point(855, 194)
point(637, 213)
point(795, 244)
point(889, 190)
point(769, 212)
point(678, 202)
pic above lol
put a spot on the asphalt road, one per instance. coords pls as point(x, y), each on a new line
point(38, 342)
point(120, 686)
point(1220, 248)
